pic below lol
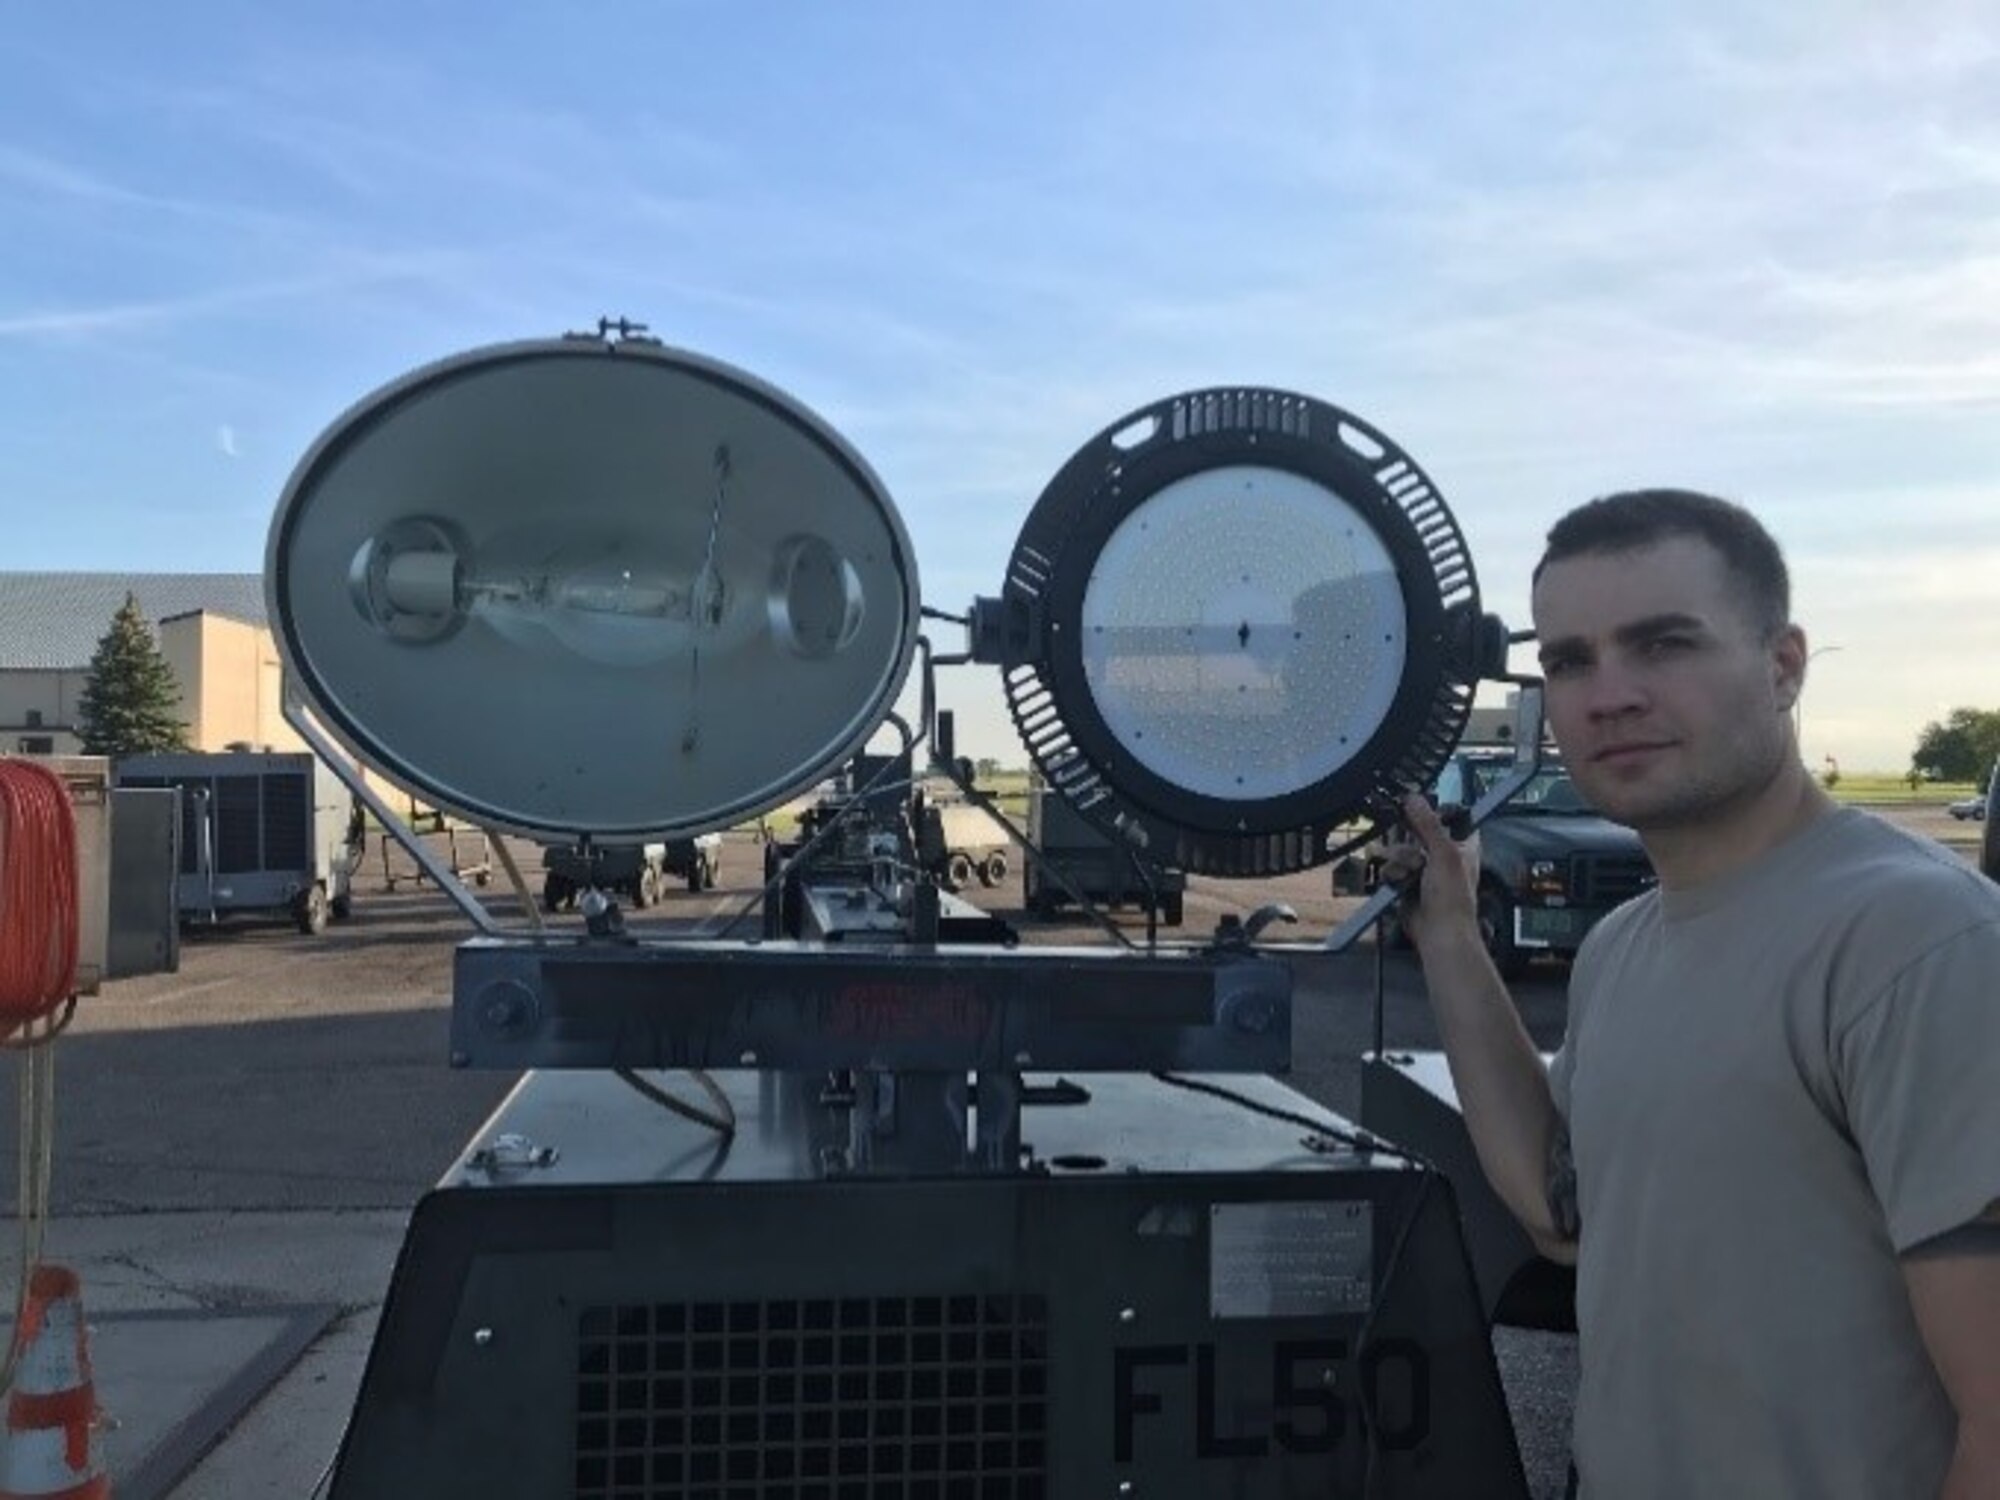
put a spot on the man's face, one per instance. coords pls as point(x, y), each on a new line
point(1668, 702)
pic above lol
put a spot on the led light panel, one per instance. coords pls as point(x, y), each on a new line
point(1243, 633)
point(1234, 622)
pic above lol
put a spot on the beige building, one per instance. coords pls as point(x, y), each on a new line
point(210, 628)
point(230, 675)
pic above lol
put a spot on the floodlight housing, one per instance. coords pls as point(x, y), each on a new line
point(596, 588)
point(1235, 621)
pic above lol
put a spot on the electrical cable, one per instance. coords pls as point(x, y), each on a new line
point(39, 921)
point(855, 805)
point(39, 912)
point(1048, 866)
point(723, 1122)
point(1370, 1144)
point(36, 1168)
point(1358, 1140)
point(1363, 1340)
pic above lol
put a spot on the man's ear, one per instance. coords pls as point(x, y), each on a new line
point(1788, 665)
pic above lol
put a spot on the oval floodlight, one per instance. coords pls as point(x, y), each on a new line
point(1252, 620)
point(574, 587)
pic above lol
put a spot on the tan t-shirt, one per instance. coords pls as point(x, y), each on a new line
point(1776, 1083)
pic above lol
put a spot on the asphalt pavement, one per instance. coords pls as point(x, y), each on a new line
point(239, 1144)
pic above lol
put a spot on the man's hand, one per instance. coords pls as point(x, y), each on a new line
point(1439, 877)
point(1503, 1085)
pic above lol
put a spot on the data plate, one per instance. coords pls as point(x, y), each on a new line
point(1290, 1260)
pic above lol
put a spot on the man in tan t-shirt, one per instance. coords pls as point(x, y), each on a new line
point(1771, 1140)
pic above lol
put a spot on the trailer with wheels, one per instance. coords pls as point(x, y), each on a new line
point(634, 871)
point(698, 861)
point(261, 832)
point(960, 844)
point(1106, 874)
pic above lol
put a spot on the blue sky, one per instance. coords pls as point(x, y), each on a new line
point(1551, 250)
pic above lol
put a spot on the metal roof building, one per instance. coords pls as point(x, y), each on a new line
point(210, 627)
point(53, 621)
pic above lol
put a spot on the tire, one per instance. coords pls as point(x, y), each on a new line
point(342, 908)
point(555, 890)
point(694, 873)
point(1172, 908)
point(1989, 846)
point(311, 910)
point(958, 872)
point(646, 889)
point(993, 868)
point(1496, 929)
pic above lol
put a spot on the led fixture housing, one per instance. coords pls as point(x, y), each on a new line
point(584, 587)
point(1236, 620)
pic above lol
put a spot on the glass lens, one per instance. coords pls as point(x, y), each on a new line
point(1244, 633)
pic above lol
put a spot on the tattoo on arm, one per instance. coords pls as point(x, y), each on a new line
point(1562, 1184)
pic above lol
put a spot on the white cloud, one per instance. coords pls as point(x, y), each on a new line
point(1753, 249)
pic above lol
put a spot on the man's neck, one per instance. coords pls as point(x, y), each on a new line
point(1736, 834)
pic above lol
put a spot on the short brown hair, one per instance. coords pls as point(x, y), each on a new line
point(1638, 518)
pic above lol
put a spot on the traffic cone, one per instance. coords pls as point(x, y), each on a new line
point(49, 1451)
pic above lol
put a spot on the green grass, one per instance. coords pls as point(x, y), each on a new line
point(1008, 789)
point(1872, 786)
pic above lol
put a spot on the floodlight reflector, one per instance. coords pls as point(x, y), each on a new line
point(1243, 632)
point(577, 587)
point(1246, 618)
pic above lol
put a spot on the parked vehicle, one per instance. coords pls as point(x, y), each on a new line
point(1969, 808)
point(698, 860)
point(638, 872)
point(260, 832)
point(1107, 875)
point(1550, 865)
point(634, 871)
point(959, 843)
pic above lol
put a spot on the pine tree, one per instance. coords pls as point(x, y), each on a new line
point(130, 699)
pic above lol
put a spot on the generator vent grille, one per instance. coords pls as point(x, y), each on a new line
point(288, 814)
point(882, 1398)
point(238, 824)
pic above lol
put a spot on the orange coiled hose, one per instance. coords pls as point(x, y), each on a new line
point(38, 893)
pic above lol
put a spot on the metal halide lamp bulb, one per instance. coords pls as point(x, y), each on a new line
point(610, 601)
point(558, 587)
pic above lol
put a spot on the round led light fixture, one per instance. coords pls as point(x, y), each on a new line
point(1245, 618)
point(576, 587)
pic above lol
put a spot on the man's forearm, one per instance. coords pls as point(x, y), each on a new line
point(1503, 1086)
point(1975, 1463)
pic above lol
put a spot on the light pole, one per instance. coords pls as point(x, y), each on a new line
point(1799, 703)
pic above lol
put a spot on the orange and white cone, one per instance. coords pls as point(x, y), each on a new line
point(49, 1450)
